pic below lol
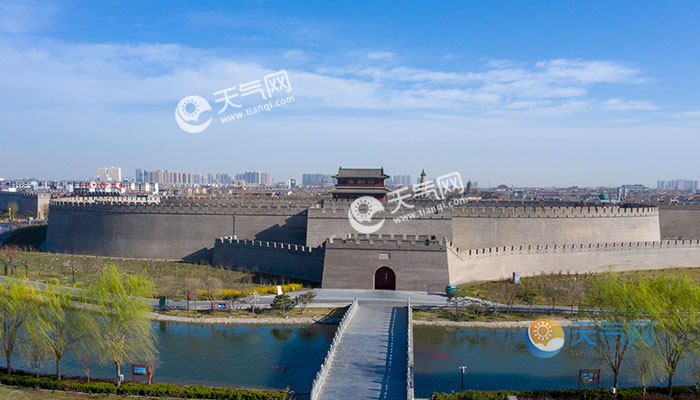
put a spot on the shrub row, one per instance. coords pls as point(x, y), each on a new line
point(131, 388)
point(623, 393)
point(232, 293)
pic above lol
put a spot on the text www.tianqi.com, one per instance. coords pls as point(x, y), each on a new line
point(250, 111)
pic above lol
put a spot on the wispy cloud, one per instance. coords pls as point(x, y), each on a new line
point(621, 105)
point(97, 74)
point(381, 55)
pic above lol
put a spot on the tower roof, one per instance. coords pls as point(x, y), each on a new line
point(361, 173)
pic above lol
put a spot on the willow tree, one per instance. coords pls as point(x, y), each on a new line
point(62, 326)
point(616, 303)
point(89, 350)
point(125, 328)
point(673, 303)
point(34, 348)
point(14, 299)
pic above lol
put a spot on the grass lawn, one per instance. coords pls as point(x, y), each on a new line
point(261, 313)
point(12, 393)
point(565, 289)
point(443, 314)
point(172, 279)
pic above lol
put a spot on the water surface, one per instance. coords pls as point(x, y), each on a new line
point(499, 359)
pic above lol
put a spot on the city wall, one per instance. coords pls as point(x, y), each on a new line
point(164, 231)
point(417, 261)
point(21, 203)
point(680, 221)
point(332, 221)
point(283, 259)
point(476, 227)
point(500, 262)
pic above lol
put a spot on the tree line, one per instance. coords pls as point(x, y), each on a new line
point(107, 323)
point(670, 305)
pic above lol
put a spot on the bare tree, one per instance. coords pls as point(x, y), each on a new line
point(304, 299)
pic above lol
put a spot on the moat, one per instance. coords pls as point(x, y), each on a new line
point(274, 356)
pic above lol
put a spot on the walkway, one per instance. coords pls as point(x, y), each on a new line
point(370, 362)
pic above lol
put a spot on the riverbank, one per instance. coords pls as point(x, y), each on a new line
point(656, 393)
point(72, 387)
point(260, 317)
point(172, 279)
point(485, 325)
point(244, 321)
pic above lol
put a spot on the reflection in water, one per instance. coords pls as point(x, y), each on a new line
point(250, 356)
point(499, 359)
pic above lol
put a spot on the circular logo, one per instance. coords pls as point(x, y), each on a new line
point(188, 111)
point(544, 338)
point(361, 212)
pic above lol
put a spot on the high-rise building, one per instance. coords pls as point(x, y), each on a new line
point(678, 184)
point(400, 180)
point(254, 178)
point(109, 174)
point(316, 180)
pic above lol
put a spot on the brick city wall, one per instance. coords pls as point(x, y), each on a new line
point(22, 203)
point(500, 262)
point(418, 262)
point(475, 227)
point(332, 221)
point(164, 231)
point(284, 259)
point(680, 221)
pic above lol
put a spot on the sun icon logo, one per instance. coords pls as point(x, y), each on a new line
point(545, 338)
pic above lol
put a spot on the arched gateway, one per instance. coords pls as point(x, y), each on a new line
point(385, 279)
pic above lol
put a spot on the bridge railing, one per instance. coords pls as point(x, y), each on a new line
point(322, 374)
point(409, 359)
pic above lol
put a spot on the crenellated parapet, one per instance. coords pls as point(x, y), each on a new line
point(276, 258)
point(680, 206)
point(553, 212)
point(388, 242)
point(130, 206)
point(467, 254)
point(231, 242)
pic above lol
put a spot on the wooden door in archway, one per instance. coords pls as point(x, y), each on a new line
point(385, 279)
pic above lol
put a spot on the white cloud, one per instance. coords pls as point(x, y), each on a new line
point(147, 74)
point(24, 17)
point(621, 105)
point(381, 55)
point(687, 114)
point(294, 55)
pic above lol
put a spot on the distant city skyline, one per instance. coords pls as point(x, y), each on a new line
point(525, 94)
point(315, 178)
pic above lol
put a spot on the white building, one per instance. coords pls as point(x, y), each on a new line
point(109, 174)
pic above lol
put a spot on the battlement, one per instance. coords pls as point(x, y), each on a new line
point(466, 254)
point(552, 212)
point(243, 203)
point(677, 206)
point(231, 242)
point(120, 200)
point(27, 194)
point(388, 242)
point(340, 211)
point(130, 206)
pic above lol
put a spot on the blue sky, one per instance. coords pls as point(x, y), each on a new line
point(520, 92)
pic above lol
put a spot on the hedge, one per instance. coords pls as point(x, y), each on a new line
point(229, 294)
point(131, 388)
point(623, 393)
